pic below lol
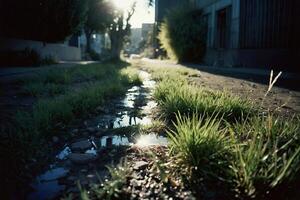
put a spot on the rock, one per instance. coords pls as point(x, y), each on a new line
point(55, 139)
point(75, 131)
point(82, 158)
point(85, 134)
point(81, 146)
point(91, 129)
point(139, 165)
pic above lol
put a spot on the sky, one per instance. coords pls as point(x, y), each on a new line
point(143, 13)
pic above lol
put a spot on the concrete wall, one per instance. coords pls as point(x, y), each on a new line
point(233, 55)
point(60, 52)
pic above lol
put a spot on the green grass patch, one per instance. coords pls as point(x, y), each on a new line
point(267, 155)
point(29, 131)
point(175, 96)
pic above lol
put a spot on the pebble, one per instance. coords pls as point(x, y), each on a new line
point(82, 158)
point(55, 139)
point(81, 146)
point(139, 165)
point(91, 129)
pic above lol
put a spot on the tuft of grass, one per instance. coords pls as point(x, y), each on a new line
point(200, 144)
point(113, 188)
point(267, 154)
point(187, 99)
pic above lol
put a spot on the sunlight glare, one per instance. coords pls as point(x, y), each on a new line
point(123, 4)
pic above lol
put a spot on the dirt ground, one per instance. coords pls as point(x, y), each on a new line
point(282, 100)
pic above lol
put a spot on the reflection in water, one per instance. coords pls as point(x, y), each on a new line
point(124, 113)
point(151, 139)
point(46, 185)
point(116, 140)
point(46, 190)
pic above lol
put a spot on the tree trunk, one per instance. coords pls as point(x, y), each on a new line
point(88, 35)
point(116, 46)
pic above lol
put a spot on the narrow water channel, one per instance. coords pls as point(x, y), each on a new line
point(83, 160)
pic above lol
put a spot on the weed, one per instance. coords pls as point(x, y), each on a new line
point(200, 144)
point(112, 189)
point(267, 154)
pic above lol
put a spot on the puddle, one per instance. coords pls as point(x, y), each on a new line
point(52, 174)
point(115, 140)
point(46, 185)
point(46, 190)
point(150, 140)
point(123, 113)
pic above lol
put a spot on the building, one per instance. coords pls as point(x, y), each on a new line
point(251, 33)
point(147, 29)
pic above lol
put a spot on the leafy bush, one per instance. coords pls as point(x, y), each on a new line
point(183, 35)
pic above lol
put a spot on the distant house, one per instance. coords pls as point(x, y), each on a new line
point(250, 33)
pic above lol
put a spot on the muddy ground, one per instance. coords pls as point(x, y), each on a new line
point(281, 98)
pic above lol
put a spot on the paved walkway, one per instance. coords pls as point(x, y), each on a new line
point(13, 71)
point(287, 79)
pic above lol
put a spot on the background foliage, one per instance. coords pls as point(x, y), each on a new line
point(183, 34)
point(42, 20)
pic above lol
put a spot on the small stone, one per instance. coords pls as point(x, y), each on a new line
point(82, 145)
point(79, 158)
point(55, 139)
point(91, 129)
point(139, 165)
point(75, 131)
point(85, 134)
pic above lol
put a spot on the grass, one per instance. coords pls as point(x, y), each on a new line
point(220, 139)
point(267, 154)
point(174, 97)
point(200, 145)
point(29, 131)
point(113, 188)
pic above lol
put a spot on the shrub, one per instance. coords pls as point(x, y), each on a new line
point(183, 35)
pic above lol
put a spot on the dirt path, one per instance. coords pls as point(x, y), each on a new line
point(284, 100)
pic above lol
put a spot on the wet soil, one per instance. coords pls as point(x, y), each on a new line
point(100, 141)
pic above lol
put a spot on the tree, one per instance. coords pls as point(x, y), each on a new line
point(119, 29)
point(42, 20)
point(99, 18)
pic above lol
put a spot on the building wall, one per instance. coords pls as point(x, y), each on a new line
point(261, 33)
point(60, 52)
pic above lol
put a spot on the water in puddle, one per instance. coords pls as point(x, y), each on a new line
point(46, 190)
point(46, 185)
point(116, 141)
point(150, 140)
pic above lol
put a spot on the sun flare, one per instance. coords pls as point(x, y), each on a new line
point(122, 4)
